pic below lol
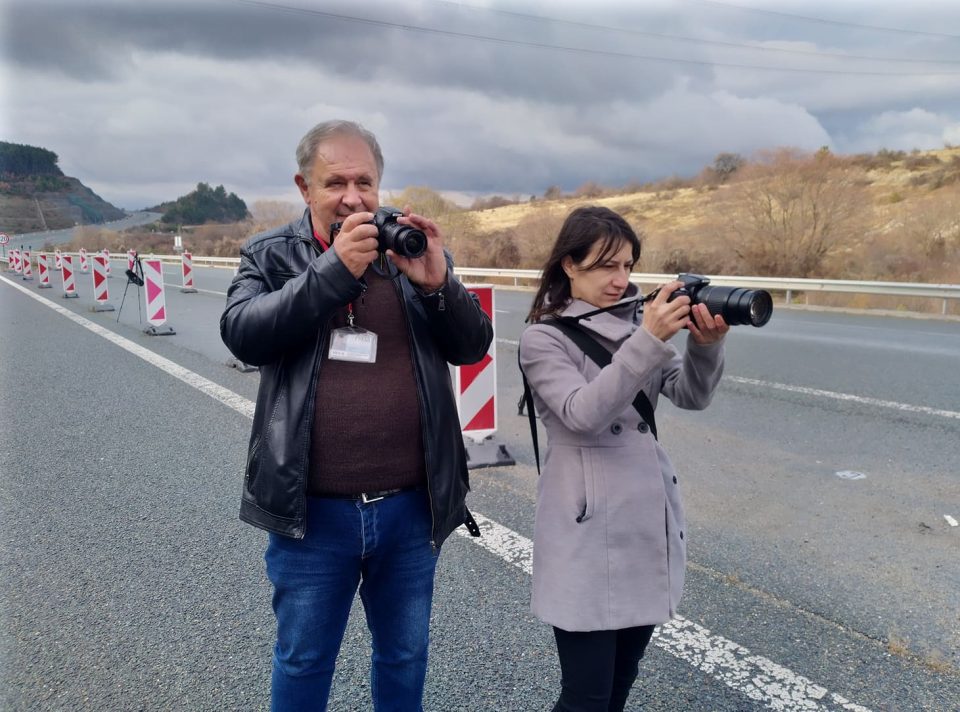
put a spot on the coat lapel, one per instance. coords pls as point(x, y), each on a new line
point(614, 325)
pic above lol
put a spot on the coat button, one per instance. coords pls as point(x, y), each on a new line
point(674, 479)
point(643, 427)
point(616, 428)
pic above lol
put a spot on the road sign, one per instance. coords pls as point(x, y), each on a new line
point(4, 238)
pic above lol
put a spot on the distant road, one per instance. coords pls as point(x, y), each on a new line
point(36, 240)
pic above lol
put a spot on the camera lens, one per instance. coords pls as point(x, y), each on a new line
point(738, 305)
point(406, 241)
point(413, 243)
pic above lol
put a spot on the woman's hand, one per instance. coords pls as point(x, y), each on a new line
point(663, 319)
point(704, 327)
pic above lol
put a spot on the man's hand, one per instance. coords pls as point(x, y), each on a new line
point(356, 243)
point(706, 328)
point(663, 319)
point(429, 270)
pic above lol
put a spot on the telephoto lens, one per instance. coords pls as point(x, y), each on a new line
point(736, 305)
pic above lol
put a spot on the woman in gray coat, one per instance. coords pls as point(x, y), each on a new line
point(609, 545)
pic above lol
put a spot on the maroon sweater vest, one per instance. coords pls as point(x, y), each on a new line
point(366, 434)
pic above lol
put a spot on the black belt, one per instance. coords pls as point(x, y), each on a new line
point(367, 497)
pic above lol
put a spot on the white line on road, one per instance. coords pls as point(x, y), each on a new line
point(862, 400)
point(218, 392)
point(754, 676)
point(845, 397)
point(204, 291)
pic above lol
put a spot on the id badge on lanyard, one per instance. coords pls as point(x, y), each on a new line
point(352, 343)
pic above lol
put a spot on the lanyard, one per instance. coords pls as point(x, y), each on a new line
point(326, 246)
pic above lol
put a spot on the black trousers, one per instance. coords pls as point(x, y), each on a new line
point(598, 667)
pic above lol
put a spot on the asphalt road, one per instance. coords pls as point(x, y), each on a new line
point(36, 240)
point(128, 582)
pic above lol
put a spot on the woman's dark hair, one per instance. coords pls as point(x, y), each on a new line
point(582, 228)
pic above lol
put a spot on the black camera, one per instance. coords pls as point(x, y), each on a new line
point(404, 240)
point(736, 304)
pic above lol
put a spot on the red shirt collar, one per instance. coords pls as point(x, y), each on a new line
point(326, 245)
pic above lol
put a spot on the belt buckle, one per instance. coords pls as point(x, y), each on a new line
point(367, 499)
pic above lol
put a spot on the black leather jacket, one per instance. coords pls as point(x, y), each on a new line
point(277, 317)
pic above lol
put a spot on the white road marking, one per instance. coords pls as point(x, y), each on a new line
point(850, 475)
point(204, 291)
point(845, 397)
point(218, 392)
point(950, 520)
point(754, 676)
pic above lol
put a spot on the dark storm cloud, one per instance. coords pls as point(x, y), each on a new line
point(142, 98)
point(449, 46)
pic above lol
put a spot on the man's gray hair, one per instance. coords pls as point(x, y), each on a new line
point(307, 148)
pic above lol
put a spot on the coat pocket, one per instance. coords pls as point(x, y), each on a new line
point(589, 485)
point(253, 465)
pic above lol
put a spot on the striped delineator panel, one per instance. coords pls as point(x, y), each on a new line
point(476, 384)
point(156, 298)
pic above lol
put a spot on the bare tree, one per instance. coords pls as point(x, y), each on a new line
point(273, 213)
point(726, 164)
point(931, 233)
point(458, 225)
point(791, 210)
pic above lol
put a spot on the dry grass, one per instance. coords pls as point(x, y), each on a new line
point(933, 659)
point(897, 219)
point(897, 644)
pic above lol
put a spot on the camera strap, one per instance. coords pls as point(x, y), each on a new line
point(600, 356)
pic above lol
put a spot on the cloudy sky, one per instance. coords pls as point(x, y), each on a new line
point(142, 99)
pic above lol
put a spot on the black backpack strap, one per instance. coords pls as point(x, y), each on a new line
point(471, 523)
point(600, 356)
point(527, 399)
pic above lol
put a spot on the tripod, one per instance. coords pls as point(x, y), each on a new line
point(134, 276)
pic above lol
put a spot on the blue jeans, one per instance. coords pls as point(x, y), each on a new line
point(383, 546)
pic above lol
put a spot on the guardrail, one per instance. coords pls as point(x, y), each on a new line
point(772, 284)
point(527, 277)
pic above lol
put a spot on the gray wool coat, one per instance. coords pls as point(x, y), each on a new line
point(622, 564)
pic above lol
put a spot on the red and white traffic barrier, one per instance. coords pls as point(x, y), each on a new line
point(101, 290)
point(131, 259)
point(43, 271)
point(156, 298)
point(15, 258)
point(186, 265)
point(69, 278)
point(84, 264)
point(106, 254)
point(58, 259)
point(476, 389)
point(26, 266)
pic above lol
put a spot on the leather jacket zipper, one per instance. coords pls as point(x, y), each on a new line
point(318, 358)
point(416, 375)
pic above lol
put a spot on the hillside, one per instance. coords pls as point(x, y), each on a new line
point(887, 216)
point(203, 205)
point(35, 195)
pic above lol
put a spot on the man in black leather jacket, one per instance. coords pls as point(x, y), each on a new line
point(356, 465)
